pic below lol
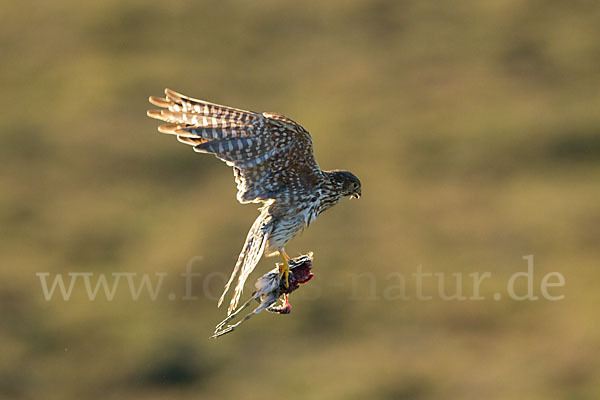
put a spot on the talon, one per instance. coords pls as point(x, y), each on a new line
point(285, 268)
point(284, 274)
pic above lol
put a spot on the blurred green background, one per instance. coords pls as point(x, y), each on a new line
point(473, 125)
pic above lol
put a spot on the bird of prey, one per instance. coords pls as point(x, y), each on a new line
point(273, 164)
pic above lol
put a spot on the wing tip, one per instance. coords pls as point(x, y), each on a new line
point(173, 95)
point(159, 101)
point(192, 141)
point(156, 114)
point(169, 129)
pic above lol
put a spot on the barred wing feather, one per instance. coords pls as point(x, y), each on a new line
point(268, 152)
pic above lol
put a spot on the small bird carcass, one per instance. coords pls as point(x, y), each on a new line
point(269, 289)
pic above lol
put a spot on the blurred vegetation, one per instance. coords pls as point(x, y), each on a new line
point(473, 125)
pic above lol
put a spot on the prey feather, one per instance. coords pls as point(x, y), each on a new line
point(269, 289)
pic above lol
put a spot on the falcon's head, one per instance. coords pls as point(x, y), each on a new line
point(347, 183)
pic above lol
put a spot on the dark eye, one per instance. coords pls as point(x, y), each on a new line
point(355, 185)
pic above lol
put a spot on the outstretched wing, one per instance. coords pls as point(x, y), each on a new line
point(271, 155)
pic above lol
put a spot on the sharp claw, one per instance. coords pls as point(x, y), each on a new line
point(285, 273)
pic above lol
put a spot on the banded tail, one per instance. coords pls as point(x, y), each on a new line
point(252, 251)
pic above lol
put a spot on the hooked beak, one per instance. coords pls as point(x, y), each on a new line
point(356, 195)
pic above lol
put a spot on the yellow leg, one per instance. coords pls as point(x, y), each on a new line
point(285, 268)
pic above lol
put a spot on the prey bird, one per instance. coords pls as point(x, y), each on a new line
point(273, 164)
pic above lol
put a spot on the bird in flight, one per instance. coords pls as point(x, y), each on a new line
point(273, 164)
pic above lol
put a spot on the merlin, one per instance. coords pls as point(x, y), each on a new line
point(273, 164)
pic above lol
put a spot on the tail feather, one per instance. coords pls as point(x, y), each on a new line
point(249, 257)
